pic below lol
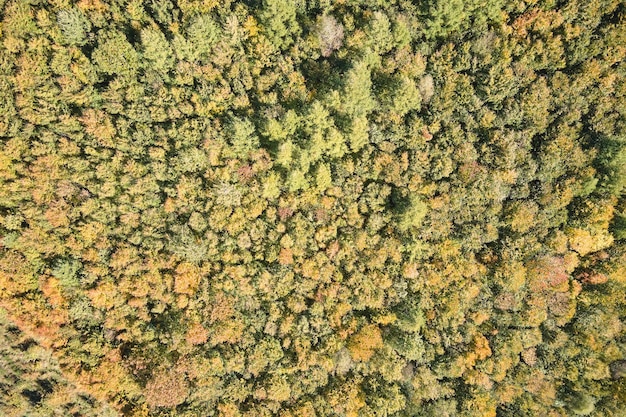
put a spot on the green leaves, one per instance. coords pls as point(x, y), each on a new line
point(444, 18)
point(265, 354)
point(243, 138)
point(279, 21)
point(612, 165)
point(412, 215)
point(188, 246)
point(114, 55)
point(357, 99)
point(157, 50)
point(66, 271)
point(203, 33)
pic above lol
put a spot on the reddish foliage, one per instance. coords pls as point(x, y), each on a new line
point(284, 213)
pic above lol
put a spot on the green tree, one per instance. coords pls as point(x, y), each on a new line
point(114, 55)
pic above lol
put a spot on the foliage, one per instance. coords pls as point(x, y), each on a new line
point(312, 208)
point(331, 35)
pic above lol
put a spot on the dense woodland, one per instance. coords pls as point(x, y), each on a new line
point(313, 208)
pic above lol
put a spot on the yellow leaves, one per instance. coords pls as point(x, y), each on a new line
point(362, 240)
point(123, 257)
point(325, 234)
point(79, 72)
point(571, 261)
point(271, 186)
point(363, 344)
point(381, 280)
point(57, 214)
point(348, 398)
point(167, 388)
point(304, 410)
point(358, 37)
point(106, 378)
point(12, 44)
point(339, 311)
point(480, 317)
point(255, 209)
point(105, 296)
point(135, 169)
point(99, 125)
point(323, 177)
point(508, 176)
point(170, 205)
point(15, 275)
point(251, 26)
point(31, 71)
point(51, 291)
point(584, 241)
point(229, 331)
point(278, 389)
point(536, 313)
point(558, 242)
point(618, 275)
point(236, 221)
point(522, 217)
point(95, 5)
point(186, 278)
point(482, 403)
point(581, 241)
point(228, 409)
point(481, 347)
point(91, 231)
point(210, 108)
point(385, 318)
point(388, 164)
point(487, 119)
point(514, 276)
point(538, 21)
point(377, 259)
point(296, 87)
point(7, 169)
point(359, 134)
point(449, 249)
point(309, 269)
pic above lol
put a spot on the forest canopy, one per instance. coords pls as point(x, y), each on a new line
point(312, 208)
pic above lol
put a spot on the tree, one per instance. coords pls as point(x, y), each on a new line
point(330, 34)
point(274, 208)
point(74, 26)
point(157, 50)
point(279, 20)
point(203, 33)
point(167, 388)
point(364, 343)
point(114, 55)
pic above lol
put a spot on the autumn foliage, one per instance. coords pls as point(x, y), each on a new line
point(312, 208)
